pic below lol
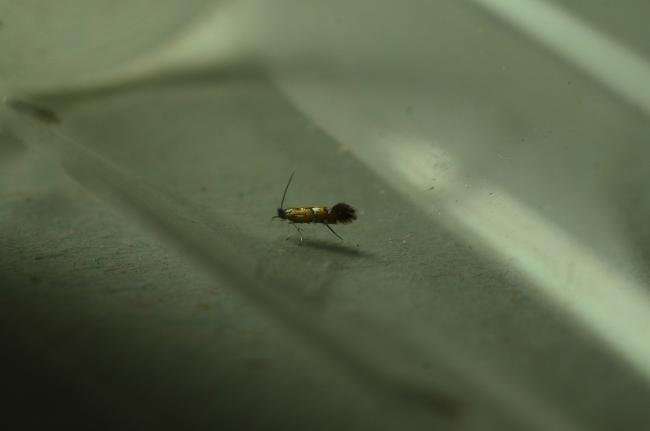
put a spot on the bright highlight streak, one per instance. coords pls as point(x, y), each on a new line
point(614, 307)
point(608, 61)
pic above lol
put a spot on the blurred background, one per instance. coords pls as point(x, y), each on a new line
point(496, 151)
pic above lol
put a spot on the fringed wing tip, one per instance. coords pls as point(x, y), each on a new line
point(344, 213)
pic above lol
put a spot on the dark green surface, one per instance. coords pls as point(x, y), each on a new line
point(124, 325)
point(144, 285)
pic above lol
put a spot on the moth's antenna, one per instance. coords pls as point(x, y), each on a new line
point(285, 189)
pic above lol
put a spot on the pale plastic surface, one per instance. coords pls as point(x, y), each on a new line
point(45, 43)
point(497, 277)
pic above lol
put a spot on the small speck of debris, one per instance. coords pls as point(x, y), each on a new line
point(431, 188)
point(409, 110)
point(204, 189)
point(41, 113)
point(491, 193)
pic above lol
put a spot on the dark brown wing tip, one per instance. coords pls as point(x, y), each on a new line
point(344, 213)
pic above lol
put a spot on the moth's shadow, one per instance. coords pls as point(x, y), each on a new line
point(335, 247)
